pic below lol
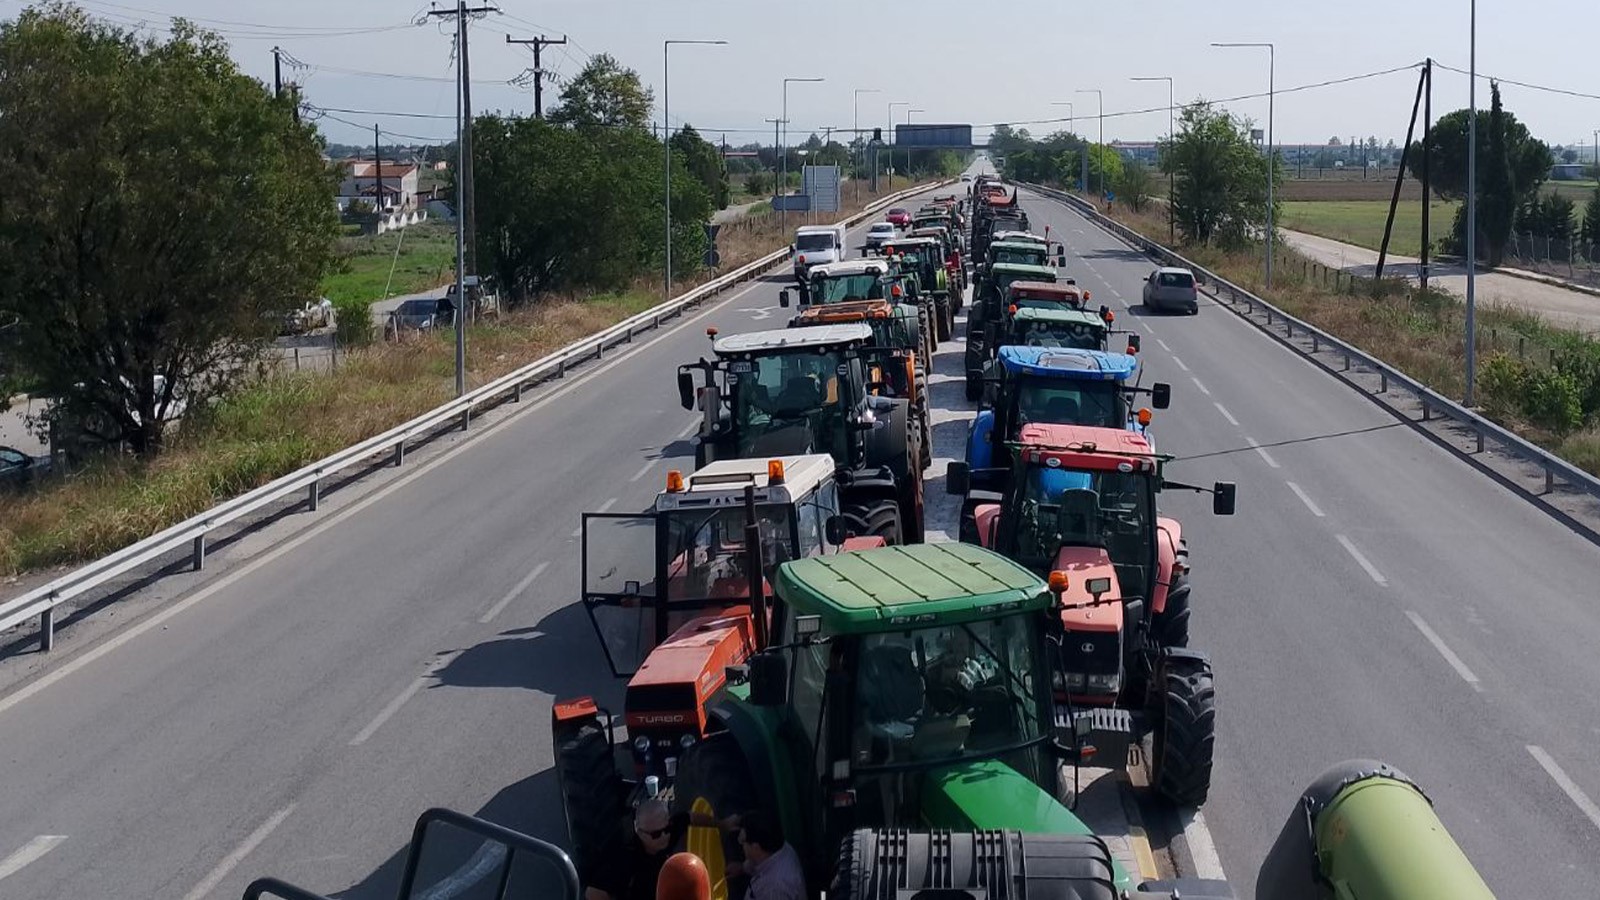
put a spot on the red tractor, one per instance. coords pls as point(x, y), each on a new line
point(1081, 502)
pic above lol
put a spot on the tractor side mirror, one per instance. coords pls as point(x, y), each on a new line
point(957, 477)
point(1161, 395)
point(783, 299)
point(686, 389)
point(1223, 498)
point(1061, 261)
point(1134, 345)
point(769, 679)
point(835, 530)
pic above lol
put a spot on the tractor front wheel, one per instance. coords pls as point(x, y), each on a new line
point(591, 790)
point(1185, 735)
point(878, 518)
point(974, 387)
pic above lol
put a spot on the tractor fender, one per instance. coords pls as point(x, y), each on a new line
point(867, 542)
point(980, 440)
point(1169, 537)
point(761, 737)
point(1188, 653)
point(986, 515)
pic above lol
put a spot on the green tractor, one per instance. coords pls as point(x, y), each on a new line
point(810, 390)
point(988, 309)
point(925, 257)
point(882, 278)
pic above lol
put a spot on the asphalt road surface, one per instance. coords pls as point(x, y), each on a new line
point(1374, 597)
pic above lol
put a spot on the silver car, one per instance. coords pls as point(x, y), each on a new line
point(1171, 288)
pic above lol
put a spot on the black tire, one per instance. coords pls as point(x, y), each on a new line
point(946, 320)
point(1185, 737)
point(1170, 627)
point(974, 387)
point(875, 518)
point(924, 423)
point(717, 770)
point(591, 791)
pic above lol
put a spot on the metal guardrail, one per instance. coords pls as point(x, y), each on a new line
point(44, 600)
point(1432, 401)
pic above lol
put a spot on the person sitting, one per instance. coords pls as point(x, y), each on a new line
point(771, 863)
point(631, 870)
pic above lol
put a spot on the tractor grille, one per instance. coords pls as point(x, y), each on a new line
point(1092, 652)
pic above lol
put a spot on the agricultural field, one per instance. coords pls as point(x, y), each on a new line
point(1360, 222)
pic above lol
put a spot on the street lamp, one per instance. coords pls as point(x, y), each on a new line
point(908, 146)
point(666, 137)
point(1100, 101)
point(1272, 66)
point(1171, 229)
point(1472, 203)
point(783, 151)
point(892, 105)
point(856, 189)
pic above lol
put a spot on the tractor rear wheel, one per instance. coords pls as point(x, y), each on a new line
point(591, 790)
point(715, 769)
point(1185, 735)
point(974, 387)
point(945, 320)
point(875, 518)
point(924, 426)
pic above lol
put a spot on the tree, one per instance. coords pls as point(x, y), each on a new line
point(700, 158)
point(605, 94)
point(1219, 178)
point(1105, 167)
point(1135, 186)
point(1529, 159)
point(163, 210)
point(1498, 203)
point(1591, 219)
point(1569, 156)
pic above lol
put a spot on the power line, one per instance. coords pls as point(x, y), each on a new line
point(1521, 84)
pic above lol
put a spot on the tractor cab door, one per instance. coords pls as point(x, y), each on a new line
point(621, 592)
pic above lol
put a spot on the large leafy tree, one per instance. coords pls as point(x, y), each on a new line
point(703, 161)
point(1590, 228)
point(161, 210)
point(606, 94)
point(1219, 191)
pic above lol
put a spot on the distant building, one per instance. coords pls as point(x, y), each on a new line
point(398, 192)
point(1567, 172)
point(1147, 152)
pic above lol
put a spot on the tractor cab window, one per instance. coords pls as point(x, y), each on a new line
point(1074, 335)
point(933, 696)
point(843, 288)
point(1057, 508)
point(1068, 401)
point(708, 558)
point(1020, 256)
point(792, 403)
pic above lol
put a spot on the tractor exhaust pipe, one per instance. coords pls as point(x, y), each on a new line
point(752, 544)
point(1366, 830)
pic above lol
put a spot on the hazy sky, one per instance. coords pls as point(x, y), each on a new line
point(959, 62)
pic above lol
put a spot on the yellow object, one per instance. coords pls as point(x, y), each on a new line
point(706, 843)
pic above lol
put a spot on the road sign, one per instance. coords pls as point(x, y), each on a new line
point(712, 258)
point(821, 185)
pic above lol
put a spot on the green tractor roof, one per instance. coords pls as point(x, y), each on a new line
point(1044, 273)
point(889, 588)
point(1030, 246)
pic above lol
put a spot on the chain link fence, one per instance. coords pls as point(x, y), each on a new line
point(1569, 258)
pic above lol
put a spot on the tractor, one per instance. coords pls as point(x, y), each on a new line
point(987, 305)
point(926, 257)
point(871, 279)
point(909, 720)
point(1082, 501)
point(990, 323)
point(810, 390)
point(1045, 325)
point(950, 252)
point(899, 367)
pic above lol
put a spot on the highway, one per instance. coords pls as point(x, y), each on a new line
point(1373, 597)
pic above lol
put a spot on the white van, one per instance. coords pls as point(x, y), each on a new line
point(816, 245)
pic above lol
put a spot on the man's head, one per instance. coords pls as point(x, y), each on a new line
point(652, 823)
point(760, 835)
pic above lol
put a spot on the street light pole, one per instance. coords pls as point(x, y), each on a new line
point(783, 152)
point(1272, 154)
point(892, 105)
point(1472, 203)
point(1171, 226)
point(1100, 101)
point(666, 144)
point(856, 135)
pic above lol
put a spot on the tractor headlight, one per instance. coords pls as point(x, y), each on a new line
point(686, 742)
point(1108, 683)
point(641, 745)
point(1075, 681)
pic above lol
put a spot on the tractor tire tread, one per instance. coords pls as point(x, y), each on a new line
point(1186, 732)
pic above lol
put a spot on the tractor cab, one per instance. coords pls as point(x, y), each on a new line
point(1082, 501)
point(843, 282)
point(925, 257)
point(988, 309)
point(1056, 386)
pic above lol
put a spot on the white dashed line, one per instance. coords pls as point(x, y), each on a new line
point(29, 853)
point(1304, 499)
point(233, 859)
point(643, 471)
point(1372, 570)
point(513, 594)
point(1444, 651)
point(1163, 345)
point(1262, 450)
point(1180, 364)
point(1567, 785)
point(1226, 415)
point(411, 690)
point(1202, 849)
point(1202, 387)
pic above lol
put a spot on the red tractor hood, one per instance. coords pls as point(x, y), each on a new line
point(1082, 564)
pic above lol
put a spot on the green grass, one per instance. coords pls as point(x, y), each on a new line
point(427, 253)
point(1578, 192)
point(1360, 222)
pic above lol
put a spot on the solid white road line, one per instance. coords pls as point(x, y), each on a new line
point(1226, 415)
point(1180, 364)
point(512, 594)
point(1202, 387)
point(1567, 785)
point(1444, 650)
point(1207, 864)
point(1372, 570)
point(434, 665)
point(643, 471)
point(233, 859)
point(1261, 450)
point(689, 429)
point(29, 853)
point(1304, 499)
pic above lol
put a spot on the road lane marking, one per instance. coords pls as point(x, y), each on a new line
point(689, 430)
point(643, 470)
point(512, 594)
point(1163, 345)
point(1141, 852)
point(233, 859)
point(1180, 364)
point(1304, 499)
point(578, 532)
point(1262, 450)
point(29, 853)
point(488, 858)
point(1199, 385)
point(1207, 864)
point(434, 665)
point(1372, 570)
point(1226, 415)
point(1567, 785)
point(1444, 650)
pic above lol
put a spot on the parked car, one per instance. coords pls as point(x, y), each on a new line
point(483, 293)
point(1171, 288)
point(420, 315)
point(880, 233)
point(18, 469)
point(900, 217)
point(313, 314)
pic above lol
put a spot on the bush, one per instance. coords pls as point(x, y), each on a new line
point(757, 185)
point(1553, 401)
point(353, 323)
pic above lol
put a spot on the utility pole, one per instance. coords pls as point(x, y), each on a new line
point(1427, 184)
point(1472, 206)
point(463, 179)
point(277, 72)
point(377, 171)
point(538, 44)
